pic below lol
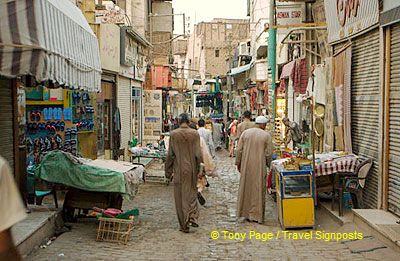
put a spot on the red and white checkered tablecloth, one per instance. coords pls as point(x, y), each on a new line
point(338, 165)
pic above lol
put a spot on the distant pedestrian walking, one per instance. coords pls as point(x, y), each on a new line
point(233, 132)
point(245, 124)
point(207, 136)
point(218, 134)
point(253, 154)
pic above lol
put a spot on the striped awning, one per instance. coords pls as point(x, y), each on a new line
point(50, 40)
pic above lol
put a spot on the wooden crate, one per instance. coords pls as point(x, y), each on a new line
point(114, 230)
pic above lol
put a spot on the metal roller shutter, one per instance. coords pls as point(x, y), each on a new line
point(6, 121)
point(124, 103)
point(394, 119)
point(137, 109)
point(365, 89)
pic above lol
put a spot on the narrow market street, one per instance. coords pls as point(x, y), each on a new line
point(157, 237)
point(279, 120)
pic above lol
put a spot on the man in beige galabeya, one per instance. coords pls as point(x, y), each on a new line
point(183, 164)
point(254, 153)
point(245, 124)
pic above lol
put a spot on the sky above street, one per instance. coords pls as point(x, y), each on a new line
point(206, 10)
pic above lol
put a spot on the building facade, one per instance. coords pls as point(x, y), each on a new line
point(121, 28)
point(179, 51)
point(211, 44)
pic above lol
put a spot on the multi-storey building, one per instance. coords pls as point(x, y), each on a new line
point(121, 28)
point(211, 44)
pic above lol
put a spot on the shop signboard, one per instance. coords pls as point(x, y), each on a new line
point(132, 56)
point(261, 70)
point(112, 16)
point(289, 14)
point(129, 49)
point(346, 18)
point(127, 71)
point(152, 115)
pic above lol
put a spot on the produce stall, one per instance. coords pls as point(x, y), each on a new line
point(89, 183)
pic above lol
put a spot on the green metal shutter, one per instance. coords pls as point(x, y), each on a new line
point(365, 90)
point(394, 127)
point(6, 121)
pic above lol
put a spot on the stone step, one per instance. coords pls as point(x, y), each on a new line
point(36, 229)
point(334, 214)
point(382, 224)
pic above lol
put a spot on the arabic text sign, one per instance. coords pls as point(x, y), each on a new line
point(349, 17)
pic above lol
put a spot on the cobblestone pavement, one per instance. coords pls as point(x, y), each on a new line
point(157, 236)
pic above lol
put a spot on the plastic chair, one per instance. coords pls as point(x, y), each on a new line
point(356, 184)
point(39, 194)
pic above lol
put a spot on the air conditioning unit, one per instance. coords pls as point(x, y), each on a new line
point(244, 49)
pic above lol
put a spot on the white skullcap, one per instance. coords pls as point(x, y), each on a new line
point(261, 120)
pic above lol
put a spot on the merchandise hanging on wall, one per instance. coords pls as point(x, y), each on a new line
point(341, 84)
point(55, 124)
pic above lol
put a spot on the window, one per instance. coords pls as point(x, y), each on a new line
point(216, 53)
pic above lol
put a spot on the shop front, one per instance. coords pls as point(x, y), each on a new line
point(124, 101)
point(394, 119)
point(137, 111)
point(209, 99)
point(390, 21)
point(48, 95)
point(7, 111)
point(355, 38)
point(328, 104)
point(105, 102)
point(131, 77)
point(109, 124)
point(293, 103)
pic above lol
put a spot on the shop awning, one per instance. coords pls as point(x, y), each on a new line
point(50, 40)
point(240, 69)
